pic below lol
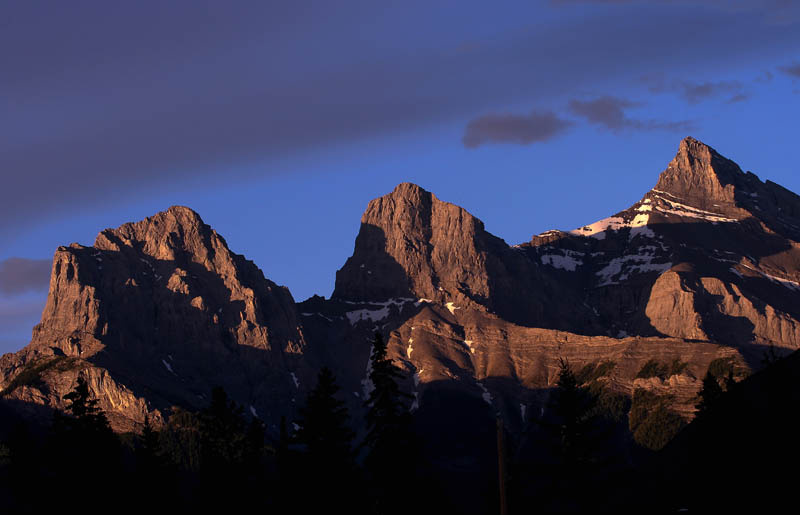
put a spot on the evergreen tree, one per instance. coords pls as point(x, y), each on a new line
point(709, 394)
point(390, 441)
point(225, 477)
point(573, 407)
point(149, 455)
point(323, 426)
point(327, 457)
point(85, 412)
point(80, 444)
point(222, 433)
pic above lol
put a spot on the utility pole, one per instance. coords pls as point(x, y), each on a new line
point(501, 466)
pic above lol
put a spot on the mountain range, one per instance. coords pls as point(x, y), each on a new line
point(704, 270)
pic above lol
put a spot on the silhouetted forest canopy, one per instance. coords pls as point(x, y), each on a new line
point(587, 440)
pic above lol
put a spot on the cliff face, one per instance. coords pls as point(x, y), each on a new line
point(705, 266)
point(414, 246)
point(163, 309)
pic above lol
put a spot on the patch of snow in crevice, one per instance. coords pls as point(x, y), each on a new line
point(373, 315)
point(397, 301)
point(314, 315)
point(296, 381)
point(598, 229)
point(420, 301)
point(366, 384)
point(253, 411)
point(410, 348)
point(417, 376)
point(169, 367)
point(415, 404)
point(569, 262)
point(451, 308)
point(522, 409)
point(792, 285)
point(625, 266)
point(487, 397)
point(295, 426)
point(785, 282)
point(622, 334)
point(678, 209)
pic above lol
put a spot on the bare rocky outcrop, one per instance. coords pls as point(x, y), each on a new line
point(699, 269)
point(413, 245)
point(161, 310)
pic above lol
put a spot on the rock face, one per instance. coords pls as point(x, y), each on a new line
point(162, 310)
point(706, 266)
point(413, 245)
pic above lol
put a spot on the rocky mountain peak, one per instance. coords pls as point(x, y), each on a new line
point(408, 245)
point(168, 235)
point(700, 176)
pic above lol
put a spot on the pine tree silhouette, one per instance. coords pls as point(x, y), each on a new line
point(709, 394)
point(574, 408)
point(222, 433)
point(81, 443)
point(84, 410)
point(323, 425)
point(149, 455)
point(326, 439)
point(392, 450)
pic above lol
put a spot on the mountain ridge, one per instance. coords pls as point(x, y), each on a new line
point(158, 311)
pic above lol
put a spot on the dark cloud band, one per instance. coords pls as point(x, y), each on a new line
point(19, 275)
point(609, 113)
point(511, 128)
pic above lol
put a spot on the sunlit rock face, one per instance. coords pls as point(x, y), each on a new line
point(705, 266)
point(164, 308)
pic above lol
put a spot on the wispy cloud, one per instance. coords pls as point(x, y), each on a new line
point(694, 92)
point(739, 97)
point(792, 70)
point(20, 275)
point(18, 315)
point(537, 126)
point(609, 113)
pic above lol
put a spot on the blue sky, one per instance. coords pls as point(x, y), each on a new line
point(279, 122)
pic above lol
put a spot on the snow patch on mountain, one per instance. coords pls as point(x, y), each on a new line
point(487, 397)
point(621, 268)
point(569, 260)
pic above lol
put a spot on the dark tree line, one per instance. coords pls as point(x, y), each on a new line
point(217, 459)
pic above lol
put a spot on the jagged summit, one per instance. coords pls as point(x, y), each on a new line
point(700, 176)
point(164, 235)
point(412, 244)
